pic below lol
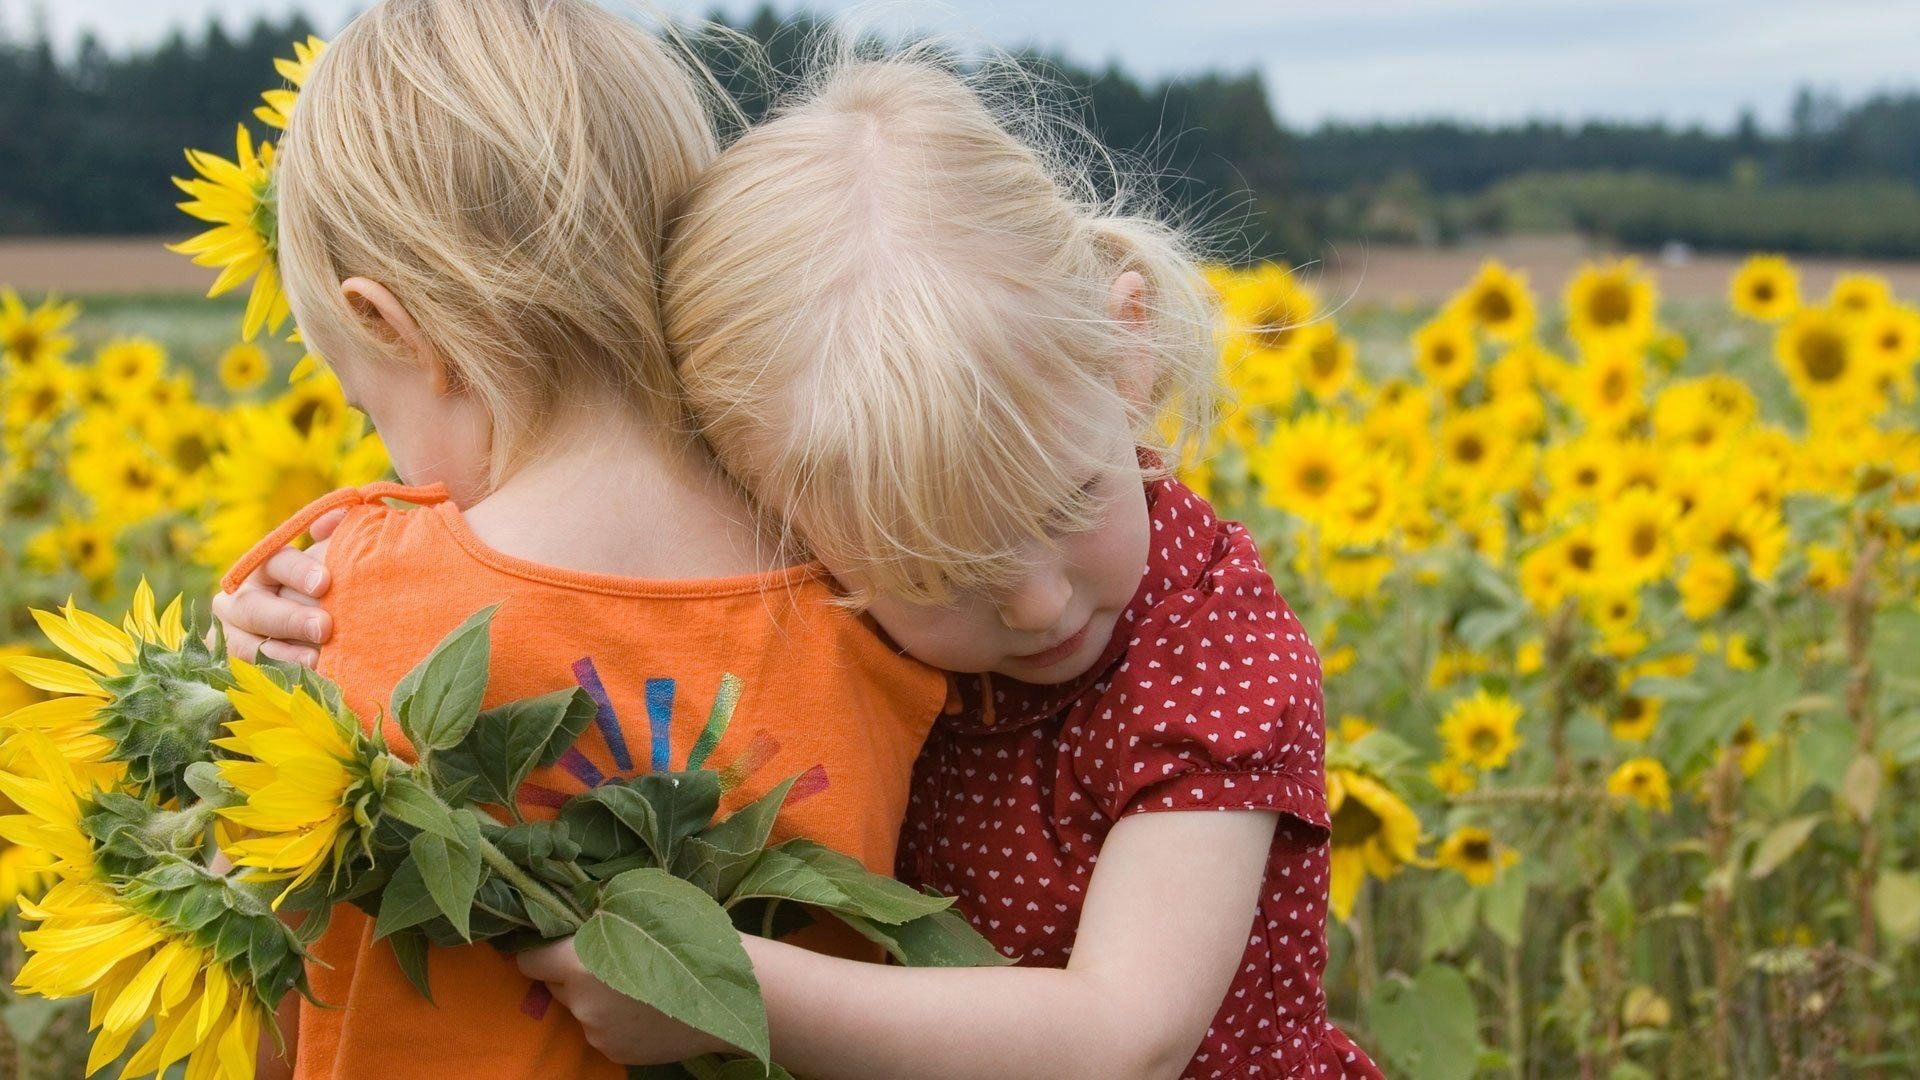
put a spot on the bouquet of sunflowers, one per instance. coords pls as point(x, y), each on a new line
point(187, 802)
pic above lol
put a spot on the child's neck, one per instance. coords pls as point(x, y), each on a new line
point(609, 494)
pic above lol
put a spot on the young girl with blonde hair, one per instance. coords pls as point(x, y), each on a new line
point(473, 197)
point(941, 361)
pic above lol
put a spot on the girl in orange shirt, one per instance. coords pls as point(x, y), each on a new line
point(472, 197)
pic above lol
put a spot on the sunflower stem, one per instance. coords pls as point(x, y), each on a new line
point(530, 888)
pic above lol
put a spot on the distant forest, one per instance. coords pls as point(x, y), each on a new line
point(90, 138)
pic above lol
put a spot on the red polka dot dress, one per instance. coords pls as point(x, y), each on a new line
point(1208, 698)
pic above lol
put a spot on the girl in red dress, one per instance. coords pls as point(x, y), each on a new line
point(936, 359)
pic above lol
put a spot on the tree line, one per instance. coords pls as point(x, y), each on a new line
point(92, 134)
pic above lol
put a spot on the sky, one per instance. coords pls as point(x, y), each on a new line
point(1685, 61)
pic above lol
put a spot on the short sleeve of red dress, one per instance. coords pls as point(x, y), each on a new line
point(1217, 705)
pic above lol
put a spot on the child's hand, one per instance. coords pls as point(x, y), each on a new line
point(275, 612)
point(626, 1031)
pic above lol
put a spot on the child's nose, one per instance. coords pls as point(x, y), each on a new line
point(1038, 604)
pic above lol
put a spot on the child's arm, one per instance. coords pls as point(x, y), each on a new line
point(1168, 911)
point(275, 611)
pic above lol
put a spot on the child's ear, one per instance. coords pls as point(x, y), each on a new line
point(1127, 306)
point(387, 319)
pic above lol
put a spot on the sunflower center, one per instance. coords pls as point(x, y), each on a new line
point(1611, 304)
point(1632, 709)
point(313, 413)
point(25, 344)
point(1645, 540)
point(1613, 386)
point(1484, 741)
point(1442, 355)
point(1325, 359)
point(1469, 449)
point(1275, 326)
point(1580, 554)
point(1355, 823)
point(1476, 850)
point(1823, 356)
point(1494, 306)
point(1586, 476)
point(1763, 291)
point(190, 452)
point(1315, 478)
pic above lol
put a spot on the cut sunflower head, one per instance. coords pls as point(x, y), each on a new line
point(177, 954)
point(144, 694)
point(305, 774)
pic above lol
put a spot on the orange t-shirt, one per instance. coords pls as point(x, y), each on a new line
point(822, 697)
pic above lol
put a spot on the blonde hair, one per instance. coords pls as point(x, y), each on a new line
point(505, 168)
point(886, 309)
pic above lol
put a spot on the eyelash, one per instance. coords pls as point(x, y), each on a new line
point(1088, 491)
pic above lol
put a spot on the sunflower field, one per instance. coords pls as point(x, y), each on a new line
point(1617, 606)
point(1618, 612)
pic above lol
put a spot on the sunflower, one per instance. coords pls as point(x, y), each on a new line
point(316, 405)
point(1445, 353)
point(1827, 567)
point(1634, 718)
point(1753, 749)
point(1370, 507)
point(1452, 777)
point(1856, 295)
point(1577, 554)
point(1305, 466)
point(1348, 574)
point(298, 766)
point(1374, 832)
point(1641, 466)
point(267, 470)
point(128, 367)
point(1707, 585)
point(1479, 730)
point(71, 719)
point(1702, 416)
point(1634, 533)
point(90, 940)
point(1643, 780)
point(1543, 577)
point(1615, 613)
point(1891, 338)
point(1472, 852)
point(279, 102)
point(30, 337)
point(1266, 311)
point(1608, 385)
point(244, 367)
point(1821, 356)
point(1728, 524)
point(1327, 361)
point(125, 480)
point(32, 399)
point(237, 197)
point(1580, 472)
point(1497, 301)
point(1766, 288)
point(1611, 304)
point(83, 545)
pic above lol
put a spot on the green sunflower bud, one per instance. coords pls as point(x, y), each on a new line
point(164, 715)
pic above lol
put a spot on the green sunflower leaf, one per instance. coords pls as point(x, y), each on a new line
point(661, 941)
point(450, 869)
point(438, 701)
